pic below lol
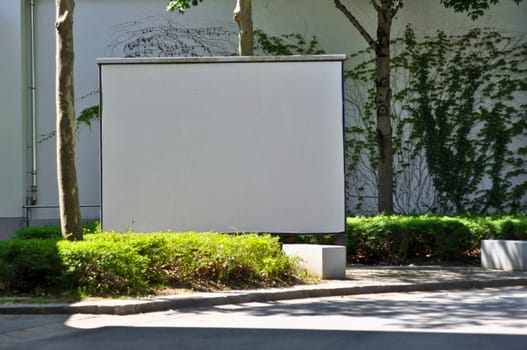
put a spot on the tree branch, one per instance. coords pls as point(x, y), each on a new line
point(376, 5)
point(398, 5)
point(356, 24)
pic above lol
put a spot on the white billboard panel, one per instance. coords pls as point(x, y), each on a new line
point(223, 144)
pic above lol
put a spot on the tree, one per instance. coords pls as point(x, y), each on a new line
point(242, 16)
point(386, 11)
point(457, 121)
point(70, 217)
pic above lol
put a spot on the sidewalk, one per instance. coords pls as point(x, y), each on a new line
point(359, 280)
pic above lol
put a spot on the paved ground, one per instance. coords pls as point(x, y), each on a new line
point(480, 319)
point(359, 280)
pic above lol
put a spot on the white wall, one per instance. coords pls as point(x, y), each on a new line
point(12, 88)
point(94, 32)
point(98, 24)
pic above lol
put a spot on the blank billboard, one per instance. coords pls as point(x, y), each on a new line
point(232, 144)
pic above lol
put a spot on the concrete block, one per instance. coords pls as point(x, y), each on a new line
point(504, 255)
point(325, 261)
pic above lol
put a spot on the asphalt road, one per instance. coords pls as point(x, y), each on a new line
point(474, 319)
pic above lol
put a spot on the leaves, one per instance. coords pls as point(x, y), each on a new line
point(118, 264)
point(286, 44)
point(88, 115)
point(457, 103)
point(473, 8)
point(397, 239)
point(181, 5)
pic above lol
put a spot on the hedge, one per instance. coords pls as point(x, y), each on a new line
point(398, 239)
point(115, 264)
point(38, 261)
point(44, 232)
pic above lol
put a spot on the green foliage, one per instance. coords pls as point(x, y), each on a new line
point(107, 268)
point(399, 239)
point(46, 232)
point(181, 5)
point(474, 8)
point(456, 107)
point(115, 264)
point(466, 116)
point(396, 239)
point(30, 265)
point(310, 238)
point(208, 259)
point(286, 44)
point(513, 227)
point(86, 117)
point(40, 232)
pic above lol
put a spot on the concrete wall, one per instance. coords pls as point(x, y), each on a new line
point(12, 90)
point(102, 29)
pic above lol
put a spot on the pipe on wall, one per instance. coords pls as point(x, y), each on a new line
point(32, 199)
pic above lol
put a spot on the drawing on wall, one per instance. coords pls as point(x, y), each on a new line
point(160, 36)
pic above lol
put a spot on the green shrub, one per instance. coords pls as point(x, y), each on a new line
point(30, 265)
point(400, 238)
point(496, 226)
point(104, 268)
point(117, 264)
point(91, 227)
point(309, 238)
point(45, 232)
point(41, 232)
point(509, 227)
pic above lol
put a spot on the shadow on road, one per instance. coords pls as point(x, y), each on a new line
point(254, 339)
point(478, 319)
point(432, 311)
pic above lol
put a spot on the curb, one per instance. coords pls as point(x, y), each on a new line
point(136, 306)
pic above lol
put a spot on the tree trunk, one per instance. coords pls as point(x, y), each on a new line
point(383, 100)
point(70, 218)
point(386, 10)
point(243, 16)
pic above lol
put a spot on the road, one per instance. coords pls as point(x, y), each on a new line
point(474, 319)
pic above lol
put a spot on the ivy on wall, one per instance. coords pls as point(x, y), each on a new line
point(468, 114)
point(459, 124)
point(414, 190)
point(286, 44)
point(458, 107)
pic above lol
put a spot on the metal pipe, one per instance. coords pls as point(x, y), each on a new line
point(53, 206)
point(28, 208)
point(33, 117)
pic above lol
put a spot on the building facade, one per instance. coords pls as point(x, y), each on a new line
point(120, 28)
